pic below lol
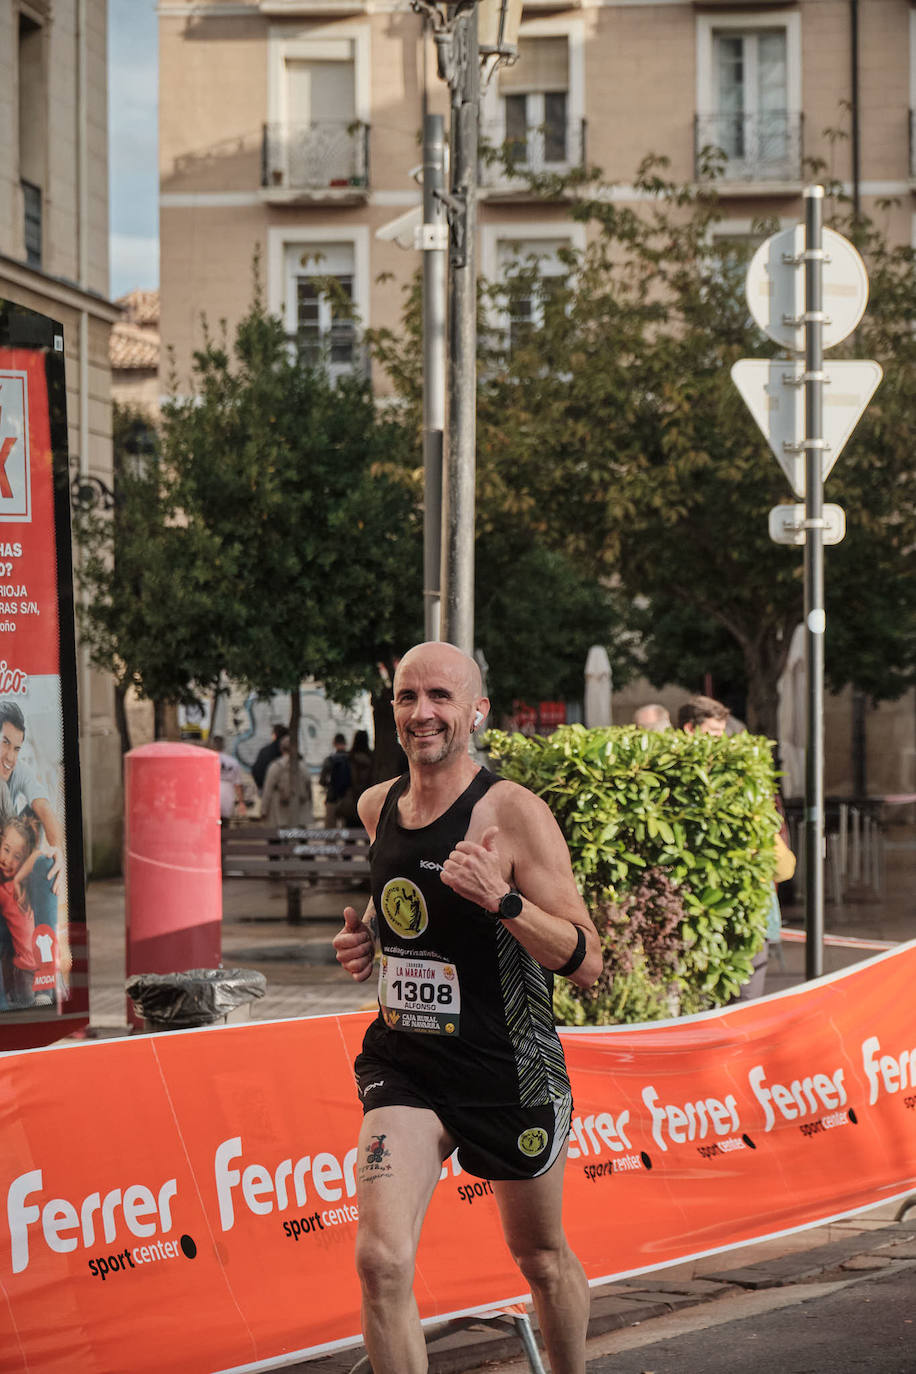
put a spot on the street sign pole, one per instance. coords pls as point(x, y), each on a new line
point(789, 307)
point(815, 618)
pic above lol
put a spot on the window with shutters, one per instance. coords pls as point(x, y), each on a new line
point(533, 110)
point(322, 304)
point(527, 263)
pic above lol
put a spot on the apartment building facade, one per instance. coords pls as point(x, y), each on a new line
point(289, 129)
point(54, 259)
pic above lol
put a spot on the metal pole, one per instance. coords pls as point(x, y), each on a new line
point(815, 619)
point(460, 459)
point(434, 242)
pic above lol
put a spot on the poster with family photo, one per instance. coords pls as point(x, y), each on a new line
point(43, 954)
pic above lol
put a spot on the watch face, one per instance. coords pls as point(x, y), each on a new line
point(510, 906)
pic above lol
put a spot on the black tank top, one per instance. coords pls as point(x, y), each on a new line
point(463, 1007)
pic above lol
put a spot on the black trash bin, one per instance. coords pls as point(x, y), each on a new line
point(197, 997)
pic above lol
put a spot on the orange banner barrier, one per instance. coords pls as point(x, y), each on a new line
point(187, 1201)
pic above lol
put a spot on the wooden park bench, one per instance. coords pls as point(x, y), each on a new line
point(295, 856)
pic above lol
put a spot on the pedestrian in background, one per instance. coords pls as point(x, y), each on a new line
point(703, 716)
point(652, 716)
point(231, 793)
point(360, 759)
point(335, 779)
point(267, 754)
point(287, 796)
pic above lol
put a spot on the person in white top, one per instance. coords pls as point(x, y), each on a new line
point(231, 795)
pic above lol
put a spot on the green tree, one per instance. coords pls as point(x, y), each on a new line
point(615, 433)
point(304, 490)
point(537, 611)
point(537, 615)
point(146, 614)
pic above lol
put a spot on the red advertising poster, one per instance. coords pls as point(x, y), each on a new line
point(43, 984)
point(200, 1211)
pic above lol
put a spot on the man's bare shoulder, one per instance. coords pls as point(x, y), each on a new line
point(369, 806)
point(508, 804)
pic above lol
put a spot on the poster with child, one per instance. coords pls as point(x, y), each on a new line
point(42, 906)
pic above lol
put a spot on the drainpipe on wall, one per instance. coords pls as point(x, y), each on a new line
point(859, 743)
point(854, 109)
point(82, 189)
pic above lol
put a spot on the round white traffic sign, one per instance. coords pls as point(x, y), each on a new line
point(776, 288)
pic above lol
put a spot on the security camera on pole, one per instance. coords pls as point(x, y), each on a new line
point(807, 289)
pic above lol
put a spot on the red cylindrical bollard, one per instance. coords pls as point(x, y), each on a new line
point(172, 870)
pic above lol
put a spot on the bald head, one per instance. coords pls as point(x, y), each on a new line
point(438, 703)
point(437, 655)
point(652, 717)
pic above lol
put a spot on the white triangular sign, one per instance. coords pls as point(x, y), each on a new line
point(850, 387)
point(775, 396)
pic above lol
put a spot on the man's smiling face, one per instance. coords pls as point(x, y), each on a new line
point(435, 696)
point(10, 743)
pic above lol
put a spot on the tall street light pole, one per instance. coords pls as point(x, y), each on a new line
point(459, 64)
point(434, 243)
point(463, 30)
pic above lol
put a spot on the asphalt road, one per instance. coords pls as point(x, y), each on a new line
point(861, 1325)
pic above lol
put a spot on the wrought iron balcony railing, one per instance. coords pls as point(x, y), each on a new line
point(31, 196)
point(757, 147)
point(326, 155)
point(544, 148)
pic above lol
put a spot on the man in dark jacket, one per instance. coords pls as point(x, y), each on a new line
point(266, 756)
point(335, 779)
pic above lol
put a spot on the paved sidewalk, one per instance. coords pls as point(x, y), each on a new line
point(303, 978)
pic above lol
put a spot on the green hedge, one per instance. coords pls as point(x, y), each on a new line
point(671, 838)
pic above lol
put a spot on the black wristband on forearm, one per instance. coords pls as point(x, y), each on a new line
point(578, 954)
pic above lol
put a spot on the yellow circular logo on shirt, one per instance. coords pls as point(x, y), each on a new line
point(533, 1142)
point(404, 908)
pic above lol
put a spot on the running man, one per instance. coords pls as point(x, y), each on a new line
point(474, 907)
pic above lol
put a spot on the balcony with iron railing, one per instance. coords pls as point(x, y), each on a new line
point(505, 163)
point(32, 211)
point(325, 161)
point(758, 149)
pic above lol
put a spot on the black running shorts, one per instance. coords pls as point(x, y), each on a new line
point(494, 1141)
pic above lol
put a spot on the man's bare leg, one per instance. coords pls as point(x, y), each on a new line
point(399, 1161)
point(531, 1213)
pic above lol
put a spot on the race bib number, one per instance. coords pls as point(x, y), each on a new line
point(419, 995)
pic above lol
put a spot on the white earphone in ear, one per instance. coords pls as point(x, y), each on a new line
point(478, 717)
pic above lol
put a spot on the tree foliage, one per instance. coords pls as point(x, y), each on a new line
point(301, 482)
point(537, 609)
point(611, 432)
point(272, 534)
point(146, 613)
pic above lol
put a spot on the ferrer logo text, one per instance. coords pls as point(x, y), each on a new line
point(65, 1226)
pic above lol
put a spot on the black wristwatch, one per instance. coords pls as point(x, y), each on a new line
point(510, 905)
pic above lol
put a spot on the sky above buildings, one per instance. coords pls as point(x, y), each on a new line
point(133, 51)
